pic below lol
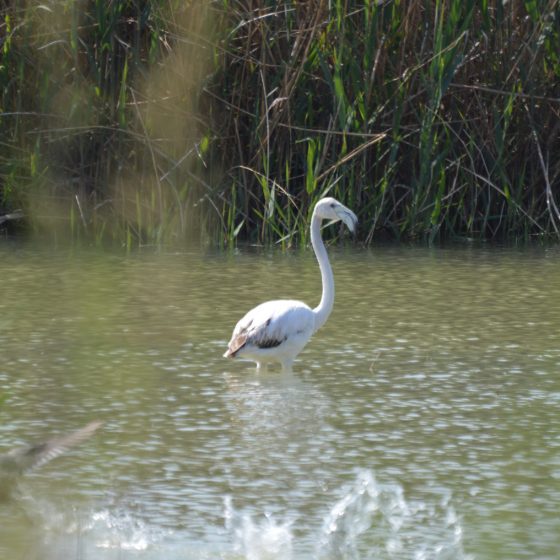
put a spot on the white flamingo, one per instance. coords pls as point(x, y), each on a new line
point(277, 331)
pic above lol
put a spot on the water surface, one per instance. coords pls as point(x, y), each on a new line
point(421, 422)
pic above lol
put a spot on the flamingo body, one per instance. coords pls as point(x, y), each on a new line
point(274, 331)
point(278, 330)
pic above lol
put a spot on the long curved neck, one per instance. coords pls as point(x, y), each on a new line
point(323, 310)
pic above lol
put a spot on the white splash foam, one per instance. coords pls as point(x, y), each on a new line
point(262, 540)
point(121, 530)
point(374, 520)
point(118, 531)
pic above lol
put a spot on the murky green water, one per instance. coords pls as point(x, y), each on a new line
point(423, 421)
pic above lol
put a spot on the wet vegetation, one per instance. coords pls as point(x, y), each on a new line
point(149, 122)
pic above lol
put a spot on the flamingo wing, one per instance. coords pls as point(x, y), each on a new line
point(270, 325)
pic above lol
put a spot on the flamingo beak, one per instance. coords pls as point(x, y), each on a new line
point(348, 217)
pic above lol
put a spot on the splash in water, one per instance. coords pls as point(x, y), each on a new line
point(116, 529)
point(122, 531)
point(372, 520)
point(261, 540)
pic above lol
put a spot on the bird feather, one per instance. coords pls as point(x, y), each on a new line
point(269, 325)
point(26, 458)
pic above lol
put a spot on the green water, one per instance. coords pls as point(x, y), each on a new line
point(423, 420)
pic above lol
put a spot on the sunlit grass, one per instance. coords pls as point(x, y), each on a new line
point(152, 123)
point(418, 115)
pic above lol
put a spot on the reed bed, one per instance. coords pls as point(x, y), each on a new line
point(144, 122)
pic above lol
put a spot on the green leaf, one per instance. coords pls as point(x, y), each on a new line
point(238, 228)
point(122, 95)
point(204, 144)
point(310, 181)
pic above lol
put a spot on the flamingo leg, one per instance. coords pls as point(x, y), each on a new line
point(287, 366)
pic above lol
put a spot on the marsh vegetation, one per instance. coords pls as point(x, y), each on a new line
point(153, 122)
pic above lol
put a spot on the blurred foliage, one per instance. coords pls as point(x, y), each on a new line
point(99, 115)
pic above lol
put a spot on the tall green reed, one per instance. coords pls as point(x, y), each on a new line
point(427, 117)
point(150, 122)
